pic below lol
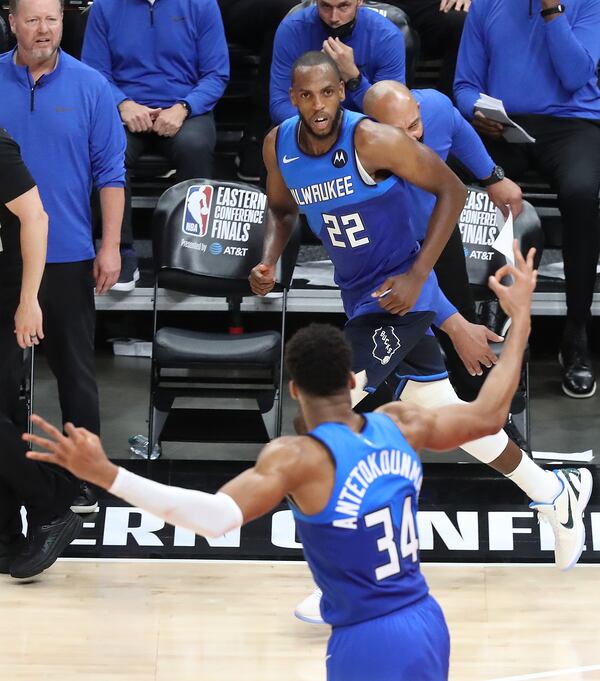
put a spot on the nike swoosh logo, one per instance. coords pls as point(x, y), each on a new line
point(569, 524)
point(289, 159)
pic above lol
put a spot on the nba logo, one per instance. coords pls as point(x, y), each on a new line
point(197, 210)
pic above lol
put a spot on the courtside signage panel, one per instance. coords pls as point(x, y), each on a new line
point(464, 517)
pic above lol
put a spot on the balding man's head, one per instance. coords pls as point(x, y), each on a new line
point(391, 102)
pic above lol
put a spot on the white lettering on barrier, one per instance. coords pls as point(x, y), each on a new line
point(465, 538)
point(116, 527)
point(185, 537)
point(502, 529)
point(283, 530)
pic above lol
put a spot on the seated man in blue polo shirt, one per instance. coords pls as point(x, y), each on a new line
point(366, 47)
point(541, 60)
point(168, 65)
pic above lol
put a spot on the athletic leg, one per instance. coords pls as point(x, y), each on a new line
point(553, 492)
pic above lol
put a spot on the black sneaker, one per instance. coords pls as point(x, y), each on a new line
point(129, 274)
point(86, 501)
point(9, 552)
point(45, 544)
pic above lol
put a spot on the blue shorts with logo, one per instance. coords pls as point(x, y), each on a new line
point(411, 644)
point(386, 345)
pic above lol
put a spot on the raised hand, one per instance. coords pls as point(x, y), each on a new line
point(78, 450)
point(515, 298)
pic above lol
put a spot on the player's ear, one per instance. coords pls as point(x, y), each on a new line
point(342, 91)
point(352, 381)
point(293, 97)
point(293, 388)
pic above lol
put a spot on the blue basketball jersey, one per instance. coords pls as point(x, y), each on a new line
point(364, 225)
point(363, 547)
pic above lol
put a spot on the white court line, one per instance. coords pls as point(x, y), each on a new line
point(250, 561)
point(547, 675)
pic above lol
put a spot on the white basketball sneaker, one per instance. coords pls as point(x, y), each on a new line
point(309, 610)
point(565, 515)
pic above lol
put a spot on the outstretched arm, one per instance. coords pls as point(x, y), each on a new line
point(451, 426)
point(281, 218)
point(250, 495)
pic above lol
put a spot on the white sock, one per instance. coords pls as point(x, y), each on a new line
point(539, 485)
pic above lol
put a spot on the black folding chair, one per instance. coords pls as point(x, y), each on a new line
point(207, 236)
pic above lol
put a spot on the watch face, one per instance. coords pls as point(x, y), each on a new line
point(499, 172)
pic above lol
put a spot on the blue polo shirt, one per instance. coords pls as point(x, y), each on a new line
point(71, 138)
point(445, 131)
point(508, 51)
point(157, 55)
point(379, 54)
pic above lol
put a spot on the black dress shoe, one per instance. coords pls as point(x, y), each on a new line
point(578, 378)
point(45, 544)
point(9, 551)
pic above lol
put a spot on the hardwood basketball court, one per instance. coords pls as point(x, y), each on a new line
point(232, 621)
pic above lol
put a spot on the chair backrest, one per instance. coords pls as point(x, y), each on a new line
point(479, 226)
point(397, 17)
point(74, 23)
point(208, 235)
point(4, 35)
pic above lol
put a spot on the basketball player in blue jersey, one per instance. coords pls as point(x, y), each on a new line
point(353, 484)
point(349, 176)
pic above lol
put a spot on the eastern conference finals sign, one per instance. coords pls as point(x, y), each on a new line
point(222, 218)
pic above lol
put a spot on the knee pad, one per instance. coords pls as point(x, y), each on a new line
point(434, 394)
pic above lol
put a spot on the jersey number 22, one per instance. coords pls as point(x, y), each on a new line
point(347, 232)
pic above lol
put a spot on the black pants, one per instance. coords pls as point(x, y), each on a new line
point(252, 24)
point(440, 35)
point(67, 301)
point(190, 151)
point(567, 154)
point(451, 271)
point(44, 490)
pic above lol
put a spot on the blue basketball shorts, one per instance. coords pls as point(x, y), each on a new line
point(411, 644)
point(387, 345)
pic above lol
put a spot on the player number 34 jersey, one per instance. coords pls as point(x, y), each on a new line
point(363, 548)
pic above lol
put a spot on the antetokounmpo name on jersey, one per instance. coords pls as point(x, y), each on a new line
point(323, 191)
point(375, 465)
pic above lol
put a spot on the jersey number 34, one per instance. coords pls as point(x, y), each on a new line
point(346, 230)
point(409, 542)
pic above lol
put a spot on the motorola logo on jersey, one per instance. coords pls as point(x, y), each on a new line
point(196, 212)
point(385, 344)
point(339, 158)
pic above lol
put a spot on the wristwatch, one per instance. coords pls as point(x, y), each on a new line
point(353, 83)
point(496, 176)
point(559, 9)
point(186, 106)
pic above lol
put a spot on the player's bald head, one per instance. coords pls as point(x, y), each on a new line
point(386, 96)
point(391, 102)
